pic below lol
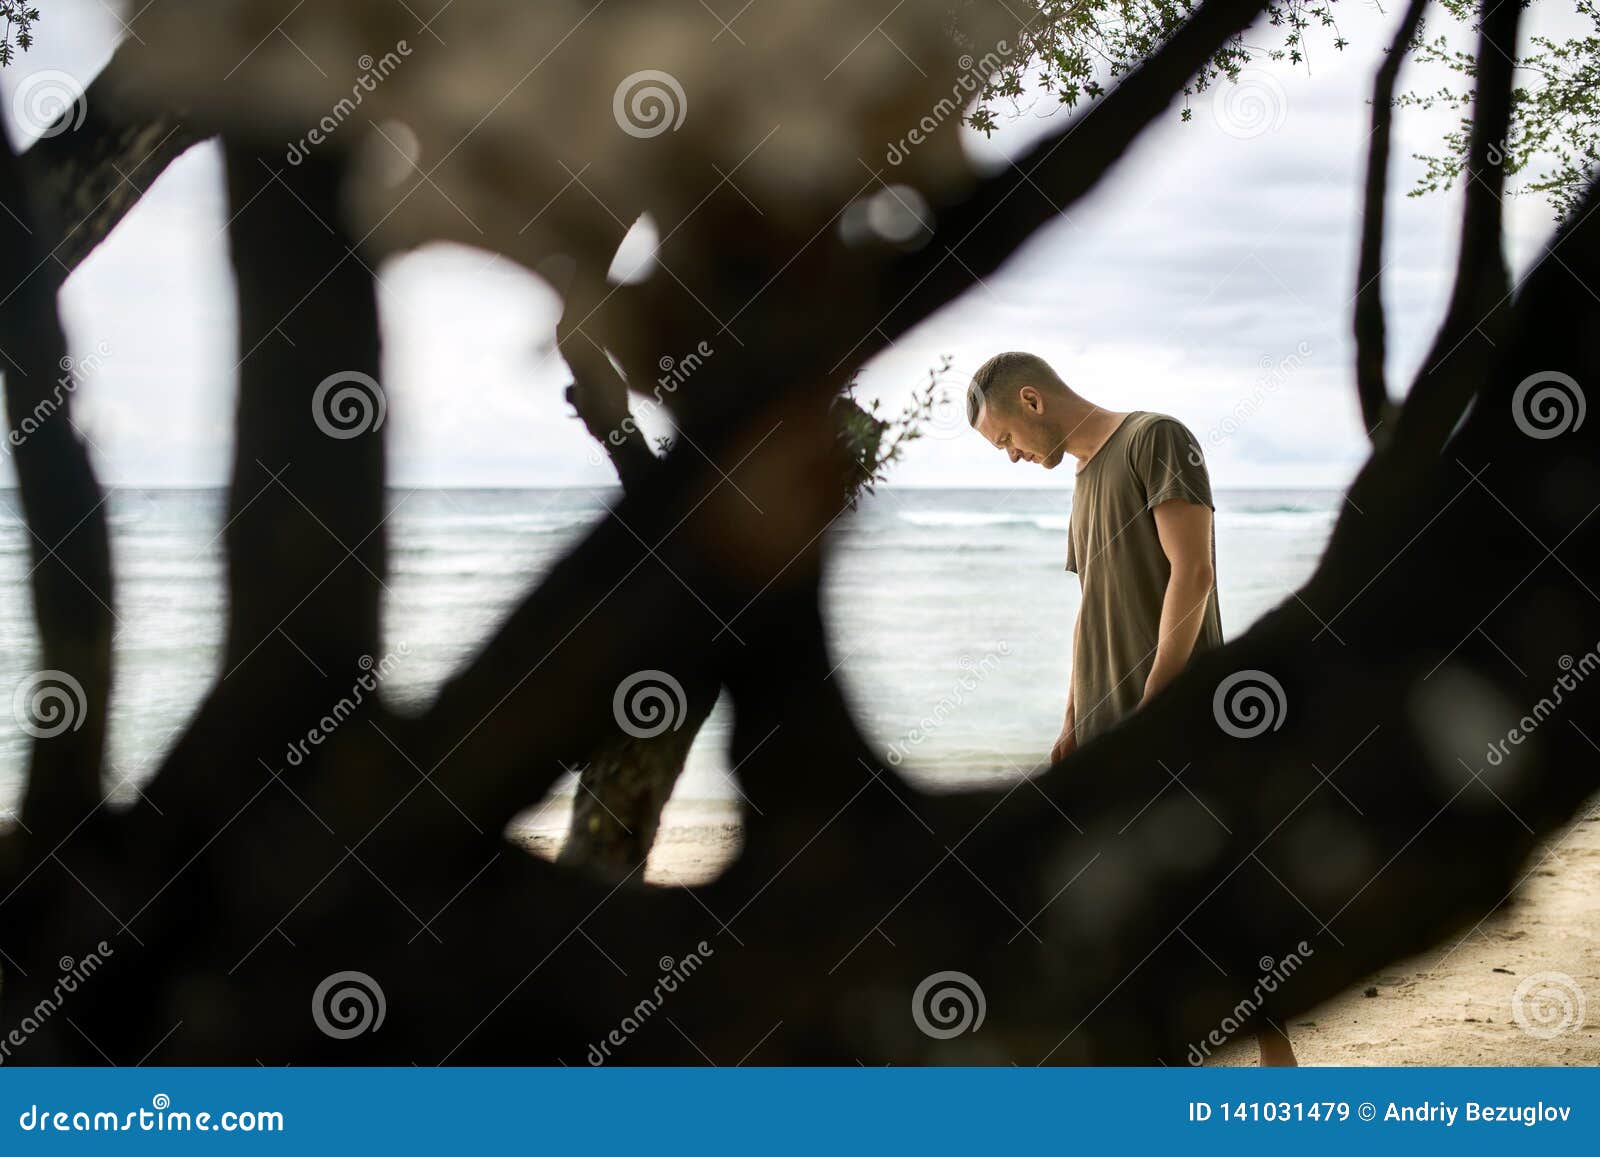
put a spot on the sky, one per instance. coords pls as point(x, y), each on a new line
point(1209, 277)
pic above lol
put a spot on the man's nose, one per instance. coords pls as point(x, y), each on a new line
point(1014, 455)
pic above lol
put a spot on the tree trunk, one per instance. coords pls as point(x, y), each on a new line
point(616, 809)
point(624, 785)
point(1099, 912)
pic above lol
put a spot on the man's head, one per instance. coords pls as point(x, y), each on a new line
point(1019, 404)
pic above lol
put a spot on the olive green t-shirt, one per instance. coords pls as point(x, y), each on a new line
point(1113, 546)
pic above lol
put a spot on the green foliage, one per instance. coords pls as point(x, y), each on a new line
point(1555, 112)
point(872, 442)
point(1074, 49)
point(18, 32)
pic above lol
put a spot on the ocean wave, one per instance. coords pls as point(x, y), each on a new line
point(433, 524)
point(1307, 521)
point(983, 518)
point(1256, 517)
point(1278, 508)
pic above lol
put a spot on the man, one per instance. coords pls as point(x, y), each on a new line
point(1140, 540)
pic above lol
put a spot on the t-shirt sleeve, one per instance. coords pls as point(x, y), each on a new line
point(1168, 460)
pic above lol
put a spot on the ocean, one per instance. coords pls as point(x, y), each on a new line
point(950, 612)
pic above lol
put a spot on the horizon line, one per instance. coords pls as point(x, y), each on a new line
point(520, 486)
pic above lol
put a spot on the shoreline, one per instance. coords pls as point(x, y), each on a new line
point(697, 839)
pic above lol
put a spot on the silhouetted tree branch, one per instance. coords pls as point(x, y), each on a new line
point(624, 783)
point(1476, 319)
point(308, 455)
point(84, 178)
point(69, 545)
point(1108, 915)
point(1371, 385)
point(1008, 207)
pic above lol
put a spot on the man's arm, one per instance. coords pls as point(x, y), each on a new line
point(1184, 529)
point(1067, 742)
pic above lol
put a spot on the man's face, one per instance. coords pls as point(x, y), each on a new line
point(1017, 426)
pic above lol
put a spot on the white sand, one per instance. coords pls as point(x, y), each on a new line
point(1454, 1005)
point(1450, 1006)
point(698, 838)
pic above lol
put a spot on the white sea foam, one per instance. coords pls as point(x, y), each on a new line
point(983, 518)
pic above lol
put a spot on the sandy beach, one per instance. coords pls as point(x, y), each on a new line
point(698, 838)
point(1455, 1004)
point(1450, 1006)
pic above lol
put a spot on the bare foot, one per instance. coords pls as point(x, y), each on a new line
point(1276, 1051)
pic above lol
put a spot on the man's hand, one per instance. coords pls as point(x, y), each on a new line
point(1066, 743)
point(1157, 680)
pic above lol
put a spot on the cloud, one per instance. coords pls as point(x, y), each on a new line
point(1203, 255)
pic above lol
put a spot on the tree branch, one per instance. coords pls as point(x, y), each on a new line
point(305, 531)
point(1371, 387)
point(69, 542)
point(1080, 911)
point(625, 782)
point(600, 397)
point(728, 404)
point(994, 222)
point(84, 180)
point(1476, 322)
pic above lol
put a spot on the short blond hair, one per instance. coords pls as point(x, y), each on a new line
point(1003, 372)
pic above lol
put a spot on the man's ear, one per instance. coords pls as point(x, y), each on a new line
point(1032, 401)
